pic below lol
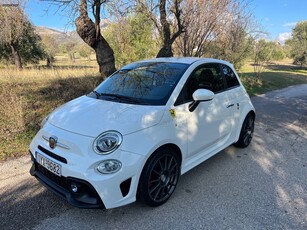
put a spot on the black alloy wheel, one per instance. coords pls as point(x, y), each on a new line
point(159, 177)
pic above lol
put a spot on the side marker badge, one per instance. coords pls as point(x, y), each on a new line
point(173, 113)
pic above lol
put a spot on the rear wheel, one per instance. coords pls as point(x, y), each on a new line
point(247, 131)
point(159, 177)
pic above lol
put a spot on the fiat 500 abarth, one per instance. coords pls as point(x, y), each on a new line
point(139, 130)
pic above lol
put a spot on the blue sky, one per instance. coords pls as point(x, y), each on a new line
point(277, 17)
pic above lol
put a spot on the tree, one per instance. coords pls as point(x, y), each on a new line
point(90, 33)
point(85, 51)
point(70, 48)
point(51, 47)
point(168, 19)
point(217, 28)
point(12, 22)
point(88, 28)
point(18, 40)
point(263, 53)
point(236, 36)
point(204, 20)
point(30, 45)
point(279, 52)
point(131, 38)
point(298, 43)
point(141, 34)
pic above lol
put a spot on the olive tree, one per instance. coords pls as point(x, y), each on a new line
point(90, 33)
point(18, 40)
point(12, 23)
point(298, 43)
point(87, 18)
point(51, 47)
point(131, 38)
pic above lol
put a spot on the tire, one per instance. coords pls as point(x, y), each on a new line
point(159, 177)
point(247, 131)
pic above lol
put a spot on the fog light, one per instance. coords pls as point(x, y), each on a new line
point(74, 187)
point(109, 166)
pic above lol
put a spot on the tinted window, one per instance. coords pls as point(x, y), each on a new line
point(230, 77)
point(205, 77)
point(144, 83)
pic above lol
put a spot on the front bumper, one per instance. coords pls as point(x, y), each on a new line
point(86, 197)
point(79, 165)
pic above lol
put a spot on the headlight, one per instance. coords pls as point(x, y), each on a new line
point(109, 166)
point(44, 121)
point(107, 142)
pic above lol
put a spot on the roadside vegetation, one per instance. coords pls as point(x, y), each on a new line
point(27, 96)
point(275, 75)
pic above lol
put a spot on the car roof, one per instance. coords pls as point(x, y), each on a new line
point(186, 60)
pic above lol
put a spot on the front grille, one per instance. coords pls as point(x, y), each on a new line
point(60, 181)
point(86, 197)
point(53, 155)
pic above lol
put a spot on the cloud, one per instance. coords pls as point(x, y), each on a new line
point(282, 37)
point(289, 24)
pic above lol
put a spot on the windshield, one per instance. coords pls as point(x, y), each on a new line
point(149, 83)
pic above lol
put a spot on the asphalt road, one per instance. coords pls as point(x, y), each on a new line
point(261, 187)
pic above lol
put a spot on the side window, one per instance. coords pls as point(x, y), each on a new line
point(205, 77)
point(230, 77)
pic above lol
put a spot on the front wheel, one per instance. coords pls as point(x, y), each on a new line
point(247, 131)
point(159, 177)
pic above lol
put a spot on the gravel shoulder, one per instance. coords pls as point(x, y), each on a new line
point(260, 187)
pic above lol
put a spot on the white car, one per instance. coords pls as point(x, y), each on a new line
point(139, 130)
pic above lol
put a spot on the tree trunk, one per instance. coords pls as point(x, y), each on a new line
point(91, 35)
point(165, 51)
point(168, 39)
point(16, 56)
point(48, 62)
point(105, 57)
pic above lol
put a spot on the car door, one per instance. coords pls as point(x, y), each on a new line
point(234, 94)
point(209, 125)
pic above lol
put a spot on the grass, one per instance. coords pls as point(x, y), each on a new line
point(274, 76)
point(27, 96)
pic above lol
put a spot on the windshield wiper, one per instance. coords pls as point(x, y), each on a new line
point(123, 98)
point(98, 95)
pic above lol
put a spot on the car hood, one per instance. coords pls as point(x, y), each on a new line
point(90, 117)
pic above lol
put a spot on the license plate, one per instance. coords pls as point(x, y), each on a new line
point(48, 164)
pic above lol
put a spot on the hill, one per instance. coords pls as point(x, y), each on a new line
point(59, 36)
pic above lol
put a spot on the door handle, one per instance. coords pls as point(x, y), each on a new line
point(230, 105)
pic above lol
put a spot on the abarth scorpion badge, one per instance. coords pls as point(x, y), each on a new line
point(52, 142)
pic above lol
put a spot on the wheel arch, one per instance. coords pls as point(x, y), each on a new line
point(167, 145)
point(253, 113)
point(172, 146)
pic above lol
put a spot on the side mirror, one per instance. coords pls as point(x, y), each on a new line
point(203, 95)
point(199, 96)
